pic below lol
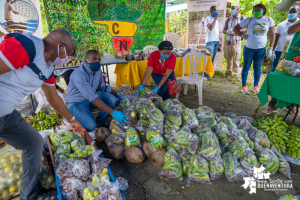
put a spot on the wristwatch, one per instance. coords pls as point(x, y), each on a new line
point(73, 118)
point(158, 87)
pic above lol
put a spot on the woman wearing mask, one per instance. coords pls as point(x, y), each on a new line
point(161, 65)
point(258, 27)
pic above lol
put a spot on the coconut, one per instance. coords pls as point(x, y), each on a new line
point(157, 157)
point(134, 155)
point(101, 134)
point(117, 151)
point(147, 150)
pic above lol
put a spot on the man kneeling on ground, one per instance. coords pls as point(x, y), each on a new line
point(87, 90)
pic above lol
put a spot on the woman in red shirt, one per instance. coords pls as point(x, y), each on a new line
point(161, 65)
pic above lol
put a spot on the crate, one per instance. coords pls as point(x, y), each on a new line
point(59, 193)
point(88, 141)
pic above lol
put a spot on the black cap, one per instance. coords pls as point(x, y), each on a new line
point(165, 45)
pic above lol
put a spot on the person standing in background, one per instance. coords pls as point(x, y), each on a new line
point(211, 25)
point(7, 8)
point(232, 49)
point(203, 19)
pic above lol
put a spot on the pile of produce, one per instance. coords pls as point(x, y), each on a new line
point(289, 67)
point(293, 142)
point(67, 144)
point(42, 121)
point(181, 52)
point(138, 56)
point(72, 61)
point(11, 173)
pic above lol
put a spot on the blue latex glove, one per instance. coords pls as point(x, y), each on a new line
point(121, 96)
point(140, 88)
point(120, 117)
point(155, 90)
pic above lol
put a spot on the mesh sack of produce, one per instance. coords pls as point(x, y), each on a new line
point(142, 126)
point(145, 92)
point(223, 134)
point(216, 168)
point(185, 140)
point(228, 121)
point(262, 139)
point(289, 67)
point(158, 103)
point(167, 106)
point(233, 171)
point(155, 139)
point(230, 114)
point(207, 118)
point(244, 124)
point(172, 122)
point(198, 170)
point(115, 139)
point(210, 148)
point(143, 107)
point(238, 146)
point(115, 127)
point(72, 184)
point(64, 170)
point(189, 118)
point(80, 169)
point(284, 167)
point(185, 156)
point(172, 165)
point(109, 191)
point(132, 119)
point(97, 163)
point(268, 159)
point(243, 134)
point(248, 163)
point(132, 138)
point(156, 120)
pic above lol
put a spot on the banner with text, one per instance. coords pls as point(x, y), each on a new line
point(113, 26)
point(197, 11)
point(21, 16)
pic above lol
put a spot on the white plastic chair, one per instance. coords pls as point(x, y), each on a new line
point(193, 78)
point(149, 48)
point(173, 38)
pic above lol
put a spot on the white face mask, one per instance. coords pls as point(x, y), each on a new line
point(61, 61)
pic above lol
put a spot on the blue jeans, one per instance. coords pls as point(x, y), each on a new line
point(257, 56)
point(163, 91)
point(275, 62)
point(82, 111)
point(212, 47)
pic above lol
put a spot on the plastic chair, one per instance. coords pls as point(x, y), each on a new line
point(173, 38)
point(149, 48)
point(193, 78)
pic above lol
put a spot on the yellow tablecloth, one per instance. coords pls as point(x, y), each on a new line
point(133, 72)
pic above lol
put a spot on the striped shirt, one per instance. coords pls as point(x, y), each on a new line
point(231, 23)
point(24, 55)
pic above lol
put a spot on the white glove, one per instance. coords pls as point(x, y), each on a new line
point(230, 32)
point(271, 54)
point(245, 36)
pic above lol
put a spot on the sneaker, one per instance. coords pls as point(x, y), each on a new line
point(225, 76)
point(256, 90)
point(206, 77)
point(269, 111)
point(245, 90)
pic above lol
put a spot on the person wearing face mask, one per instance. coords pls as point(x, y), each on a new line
point(258, 28)
point(88, 90)
point(26, 64)
point(232, 48)
point(161, 65)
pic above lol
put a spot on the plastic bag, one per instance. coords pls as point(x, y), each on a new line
point(156, 140)
point(289, 197)
point(115, 127)
point(109, 191)
point(158, 103)
point(186, 129)
point(115, 139)
point(145, 92)
point(248, 163)
point(223, 134)
point(245, 124)
point(72, 184)
point(167, 106)
point(75, 144)
point(143, 107)
point(199, 111)
point(156, 120)
point(81, 169)
point(189, 118)
point(201, 130)
point(198, 170)
point(243, 134)
point(132, 138)
point(97, 163)
point(184, 140)
point(132, 119)
point(70, 195)
point(153, 97)
point(268, 159)
point(230, 114)
point(262, 139)
point(185, 156)
point(207, 109)
point(62, 153)
point(289, 67)
point(216, 168)
point(207, 118)
point(233, 170)
point(228, 121)
point(142, 126)
point(284, 167)
point(176, 103)
point(172, 122)
point(172, 165)
point(210, 148)
point(238, 146)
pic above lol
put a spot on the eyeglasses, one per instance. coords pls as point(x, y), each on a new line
point(72, 54)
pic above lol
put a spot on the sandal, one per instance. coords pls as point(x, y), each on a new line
point(269, 111)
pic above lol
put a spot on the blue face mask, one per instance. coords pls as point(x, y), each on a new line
point(292, 16)
point(95, 66)
point(215, 14)
point(165, 57)
point(232, 12)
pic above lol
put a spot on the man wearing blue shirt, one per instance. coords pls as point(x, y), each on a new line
point(88, 90)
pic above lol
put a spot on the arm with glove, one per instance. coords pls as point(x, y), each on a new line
point(271, 51)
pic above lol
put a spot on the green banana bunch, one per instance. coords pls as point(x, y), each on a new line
point(223, 134)
point(184, 140)
point(293, 142)
point(145, 92)
point(268, 159)
point(141, 126)
point(248, 163)
point(189, 118)
point(284, 167)
point(199, 110)
point(172, 165)
point(132, 138)
point(207, 118)
point(143, 107)
point(201, 130)
point(239, 147)
point(277, 131)
point(156, 119)
point(242, 134)
point(216, 168)
point(156, 140)
point(228, 121)
point(167, 106)
point(125, 103)
point(158, 103)
point(233, 170)
point(173, 121)
point(198, 170)
point(210, 148)
point(185, 160)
